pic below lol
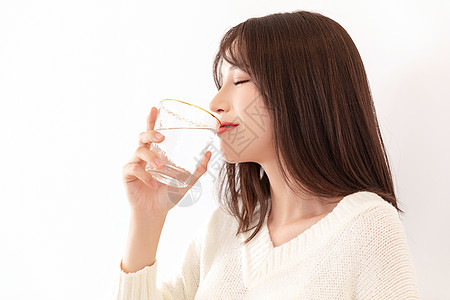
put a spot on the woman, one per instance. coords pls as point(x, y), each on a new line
point(307, 204)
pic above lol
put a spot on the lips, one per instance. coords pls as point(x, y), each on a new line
point(226, 126)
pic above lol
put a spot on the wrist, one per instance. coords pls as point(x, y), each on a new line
point(139, 216)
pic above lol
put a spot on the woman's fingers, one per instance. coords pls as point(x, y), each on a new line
point(135, 168)
point(149, 137)
point(201, 169)
point(151, 119)
point(143, 154)
point(133, 171)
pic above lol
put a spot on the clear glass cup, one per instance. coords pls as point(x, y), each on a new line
point(189, 130)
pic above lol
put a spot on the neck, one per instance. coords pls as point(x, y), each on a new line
point(288, 206)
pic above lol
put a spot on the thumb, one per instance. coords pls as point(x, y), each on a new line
point(201, 169)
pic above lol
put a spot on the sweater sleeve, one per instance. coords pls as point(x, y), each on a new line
point(141, 285)
point(386, 271)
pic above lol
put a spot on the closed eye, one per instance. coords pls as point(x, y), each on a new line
point(241, 81)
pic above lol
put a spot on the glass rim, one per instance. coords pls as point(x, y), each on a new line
point(218, 121)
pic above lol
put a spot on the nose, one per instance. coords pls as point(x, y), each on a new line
point(220, 103)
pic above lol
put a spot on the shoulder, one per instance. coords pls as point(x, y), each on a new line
point(218, 237)
point(376, 240)
point(375, 215)
point(218, 225)
point(369, 210)
point(372, 225)
point(361, 214)
point(221, 221)
point(378, 235)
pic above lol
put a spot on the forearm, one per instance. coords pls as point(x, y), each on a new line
point(142, 243)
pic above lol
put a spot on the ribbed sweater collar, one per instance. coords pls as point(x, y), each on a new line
point(260, 258)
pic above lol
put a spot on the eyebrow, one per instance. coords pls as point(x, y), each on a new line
point(232, 67)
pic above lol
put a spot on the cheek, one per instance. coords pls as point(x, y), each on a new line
point(250, 141)
point(257, 120)
point(235, 142)
point(244, 146)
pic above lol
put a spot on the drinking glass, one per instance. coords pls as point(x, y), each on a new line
point(189, 130)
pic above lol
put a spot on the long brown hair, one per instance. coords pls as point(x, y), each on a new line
point(314, 85)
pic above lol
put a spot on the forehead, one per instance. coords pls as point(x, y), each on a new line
point(227, 67)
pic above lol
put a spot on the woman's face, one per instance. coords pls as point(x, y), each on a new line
point(240, 102)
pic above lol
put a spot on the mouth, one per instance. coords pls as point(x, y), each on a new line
point(226, 127)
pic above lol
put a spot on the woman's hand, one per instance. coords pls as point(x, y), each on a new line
point(147, 196)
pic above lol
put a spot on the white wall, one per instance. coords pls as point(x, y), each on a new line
point(77, 80)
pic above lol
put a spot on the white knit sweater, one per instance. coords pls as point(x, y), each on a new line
point(358, 251)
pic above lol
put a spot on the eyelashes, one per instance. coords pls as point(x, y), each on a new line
point(235, 83)
point(240, 82)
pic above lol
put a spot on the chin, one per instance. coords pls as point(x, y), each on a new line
point(230, 155)
point(230, 158)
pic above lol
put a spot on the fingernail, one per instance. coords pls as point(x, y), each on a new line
point(158, 135)
point(158, 162)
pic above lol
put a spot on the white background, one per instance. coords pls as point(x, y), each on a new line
point(78, 78)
